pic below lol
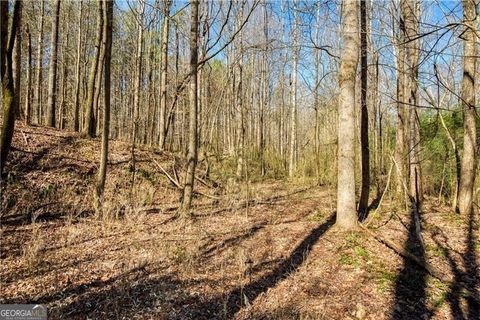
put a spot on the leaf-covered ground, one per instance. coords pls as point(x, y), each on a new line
point(264, 250)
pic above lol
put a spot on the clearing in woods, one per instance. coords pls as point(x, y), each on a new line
point(264, 250)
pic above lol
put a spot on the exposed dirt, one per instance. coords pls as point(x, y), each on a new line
point(261, 251)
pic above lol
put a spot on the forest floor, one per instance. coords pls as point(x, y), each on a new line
point(265, 250)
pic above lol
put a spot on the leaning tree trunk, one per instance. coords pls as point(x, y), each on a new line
point(89, 128)
point(107, 29)
point(346, 209)
point(52, 74)
point(9, 101)
point(192, 130)
point(469, 157)
point(365, 189)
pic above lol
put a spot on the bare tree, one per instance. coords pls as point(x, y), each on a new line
point(9, 101)
point(28, 89)
point(52, 74)
point(164, 74)
point(39, 59)
point(365, 189)
point(76, 104)
point(107, 43)
point(469, 157)
point(89, 127)
point(192, 131)
point(293, 119)
point(346, 208)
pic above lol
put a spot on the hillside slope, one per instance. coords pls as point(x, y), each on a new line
point(262, 250)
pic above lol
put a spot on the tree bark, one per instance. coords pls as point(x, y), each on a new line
point(107, 29)
point(192, 132)
point(402, 121)
point(39, 59)
point(346, 213)
point(89, 126)
point(17, 62)
point(52, 74)
point(76, 104)
point(164, 74)
point(137, 83)
point(469, 156)
point(9, 101)
point(28, 89)
point(412, 14)
point(293, 119)
point(365, 188)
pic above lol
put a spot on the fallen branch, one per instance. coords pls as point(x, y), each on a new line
point(370, 219)
point(419, 262)
point(175, 182)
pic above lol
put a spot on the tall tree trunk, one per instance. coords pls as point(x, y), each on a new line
point(402, 121)
point(192, 131)
point(17, 62)
point(65, 68)
point(264, 88)
point(412, 10)
point(107, 43)
point(39, 62)
point(239, 103)
point(469, 157)
point(52, 74)
point(28, 89)
point(346, 209)
point(98, 86)
point(293, 119)
point(76, 104)
point(9, 101)
point(365, 189)
point(89, 126)
point(164, 74)
point(137, 83)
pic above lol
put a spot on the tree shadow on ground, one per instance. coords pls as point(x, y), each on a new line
point(227, 306)
point(132, 294)
point(466, 280)
point(410, 284)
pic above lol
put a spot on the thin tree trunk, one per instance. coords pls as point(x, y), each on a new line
point(65, 65)
point(365, 188)
point(402, 121)
point(89, 125)
point(52, 74)
point(39, 60)
point(293, 119)
point(411, 11)
point(28, 89)
point(469, 157)
point(346, 208)
point(17, 62)
point(192, 132)
point(164, 74)
point(76, 104)
point(137, 83)
point(107, 43)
